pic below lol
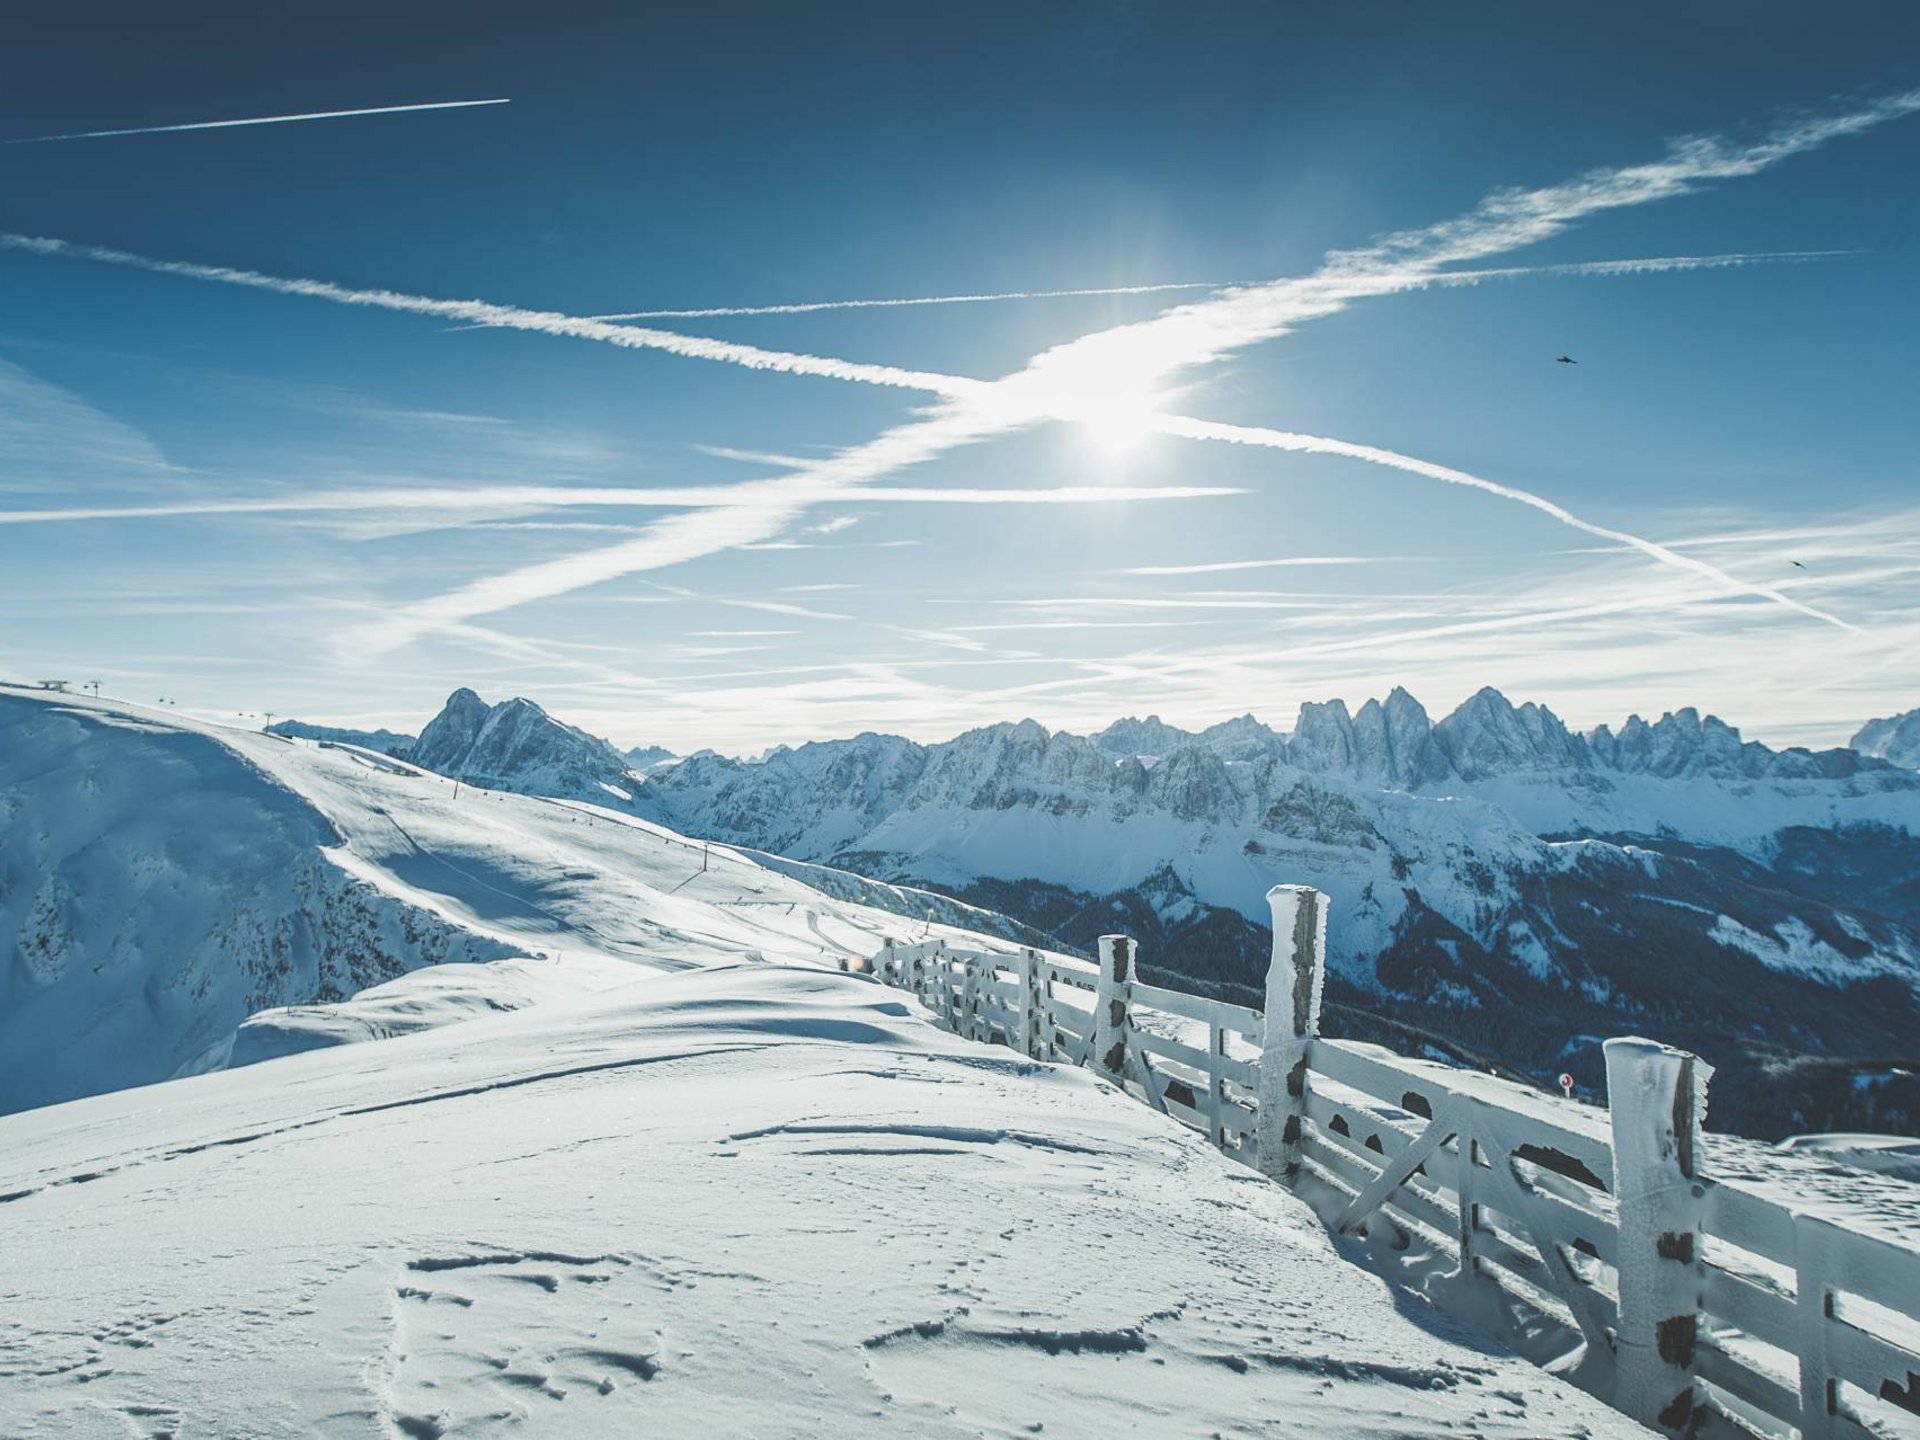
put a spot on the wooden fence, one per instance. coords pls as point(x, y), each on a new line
point(1695, 1303)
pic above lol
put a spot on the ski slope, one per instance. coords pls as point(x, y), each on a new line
point(748, 1200)
point(164, 878)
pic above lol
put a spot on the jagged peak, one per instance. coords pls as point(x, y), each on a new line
point(464, 699)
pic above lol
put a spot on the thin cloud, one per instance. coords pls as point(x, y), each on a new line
point(257, 120)
point(751, 457)
point(834, 526)
point(1221, 566)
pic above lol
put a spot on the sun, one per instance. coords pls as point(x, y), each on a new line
point(1116, 430)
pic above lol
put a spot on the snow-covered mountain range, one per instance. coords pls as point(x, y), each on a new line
point(1498, 879)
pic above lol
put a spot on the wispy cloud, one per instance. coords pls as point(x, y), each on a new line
point(753, 457)
point(1288, 562)
point(258, 120)
point(834, 526)
point(51, 440)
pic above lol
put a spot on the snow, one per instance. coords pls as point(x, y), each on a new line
point(166, 878)
point(1794, 948)
point(734, 1200)
point(1895, 1155)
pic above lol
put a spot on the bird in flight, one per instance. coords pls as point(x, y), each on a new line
point(1798, 565)
point(1566, 360)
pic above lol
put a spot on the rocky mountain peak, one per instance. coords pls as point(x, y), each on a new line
point(1488, 736)
point(1896, 739)
point(517, 746)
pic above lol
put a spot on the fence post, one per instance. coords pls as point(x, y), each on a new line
point(1031, 1010)
point(1295, 976)
point(1656, 1097)
point(1112, 998)
point(1216, 1052)
point(915, 976)
point(1813, 1308)
point(943, 982)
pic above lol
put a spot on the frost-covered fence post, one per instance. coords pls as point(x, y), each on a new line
point(1113, 997)
point(967, 1022)
point(1216, 1053)
point(1813, 1248)
point(1657, 1098)
point(1295, 976)
point(914, 977)
point(1032, 1008)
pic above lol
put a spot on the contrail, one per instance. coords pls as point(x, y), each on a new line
point(1649, 265)
point(809, 307)
point(256, 120)
point(540, 497)
point(1320, 445)
point(1221, 566)
point(512, 317)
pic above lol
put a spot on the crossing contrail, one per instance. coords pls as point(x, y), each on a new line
point(255, 120)
point(810, 306)
point(512, 317)
point(1375, 455)
point(1650, 265)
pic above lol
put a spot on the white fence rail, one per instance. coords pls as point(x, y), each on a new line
point(1695, 1303)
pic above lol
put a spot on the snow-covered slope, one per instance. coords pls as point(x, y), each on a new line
point(1895, 739)
point(161, 880)
point(747, 1201)
point(156, 889)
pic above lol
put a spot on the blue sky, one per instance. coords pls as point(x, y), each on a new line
point(423, 513)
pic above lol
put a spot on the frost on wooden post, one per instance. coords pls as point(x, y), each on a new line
point(1295, 977)
point(1032, 1004)
point(1112, 997)
point(1657, 1097)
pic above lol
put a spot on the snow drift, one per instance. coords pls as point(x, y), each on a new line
point(755, 1200)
